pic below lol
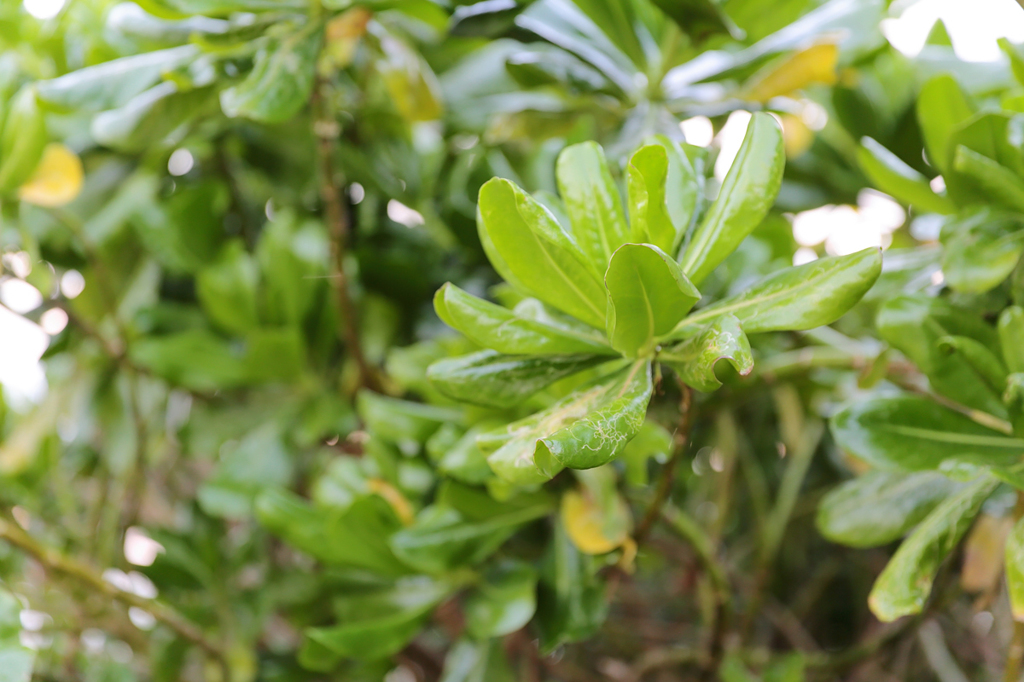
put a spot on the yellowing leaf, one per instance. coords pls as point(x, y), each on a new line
point(343, 34)
point(56, 180)
point(982, 552)
point(816, 64)
point(796, 136)
point(587, 525)
point(395, 499)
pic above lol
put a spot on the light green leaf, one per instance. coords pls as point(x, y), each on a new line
point(1015, 570)
point(531, 252)
point(981, 250)
point(986, 363)
point(1001, 185)
point(892, 175)
point(803, 297)
point(457, 455)
point(469, 661)
point(280, 82)
point(586, 429)
point(648, 294)
point(652, 440)
point(694, 359)
point(503, 602)
point(151, 117)
point(399, 421)
point(175, 9)
point(646, 176)
point(910, 433)
point(1011, 337)
point(904, 585)
point(492, 379)
point(442, 540)
point(592, 202)
point(942, 105)
point(881, 506)
point(112, 84)
point(260, 461)
point(506, 331)
point(747, 194)
point(23, 140)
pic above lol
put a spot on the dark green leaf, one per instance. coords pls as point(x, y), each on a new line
point(227, 290)
point(503, 602)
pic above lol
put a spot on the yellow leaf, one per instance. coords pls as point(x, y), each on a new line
point(588, 527)
point(816, 64)
point(983, 552)
point(391, 495)
point(343, 34)
point(796, 136)
point(56, 180)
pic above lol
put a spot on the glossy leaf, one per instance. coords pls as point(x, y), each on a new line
point(694, 359)
point(880, 506)
point(910, 433)
point(457, 455)
point(491, 379)
point(152, 116)
point(113, 84)
point(531, 252)
point(941, 107)
point(892, 175)
point(57, 179)
point(592, 202)
point(280, 82)
point(803, 297)
point(648, 294)
point(586, 429)
point(503, 330)
point(646, 176)
point(469, 661)
point(503, 602)
point(986, 363)
point(982, 249)
point(441, 539)
point(1001, 185)
point(402, 421)
point(379, 623)
point(1011, 337)
point(22, 141)
point(595, 526)
point(815, 64)
point(747, 193)
point(904, 585)
point(1015, 570)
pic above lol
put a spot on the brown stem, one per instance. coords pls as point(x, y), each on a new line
point(56, 561)
point(326, 129)
point(679, 442)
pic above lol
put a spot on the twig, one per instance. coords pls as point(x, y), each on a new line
point(326, 129)
point(656, 659)
point(54, 560)
point(679, 442)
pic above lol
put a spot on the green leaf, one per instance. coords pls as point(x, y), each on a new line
point(910, 433)
point(506, 331)
point(981, 250)
point(414, 89)
point(652, 440)
point(280, 82)
point(571, 603)
point(646, 176)
point(174, 9)
point(442, 540)
point(184, 232)
point(531, 252)
point(259, 462)
point(503, 602)
point(694, 359)
point(986, 363)
point(700, 19)
point(23, 140)
point(354, 536)
point(592, 202)
point(469, 661)
point(151, 117)
point(892, 175)
point(399, 421)
point(457, 455)
point(747, 194)
point(586, 429)
point(904, 585)
point(941, 107)
point(1011, 337)
point(803, 297)
point(113, 84)
point(880, 506)
point(648, 294)
point(227, 290)
point(985, 133)
point(492, 379)
point(1015, 570)
point(379, 623)
point(1001, 185)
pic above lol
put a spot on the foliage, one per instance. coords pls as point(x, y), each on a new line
point(263, 454)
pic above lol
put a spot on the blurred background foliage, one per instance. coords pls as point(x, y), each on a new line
point(223, 224)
